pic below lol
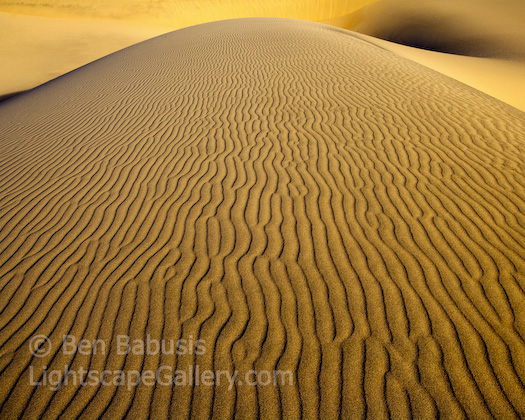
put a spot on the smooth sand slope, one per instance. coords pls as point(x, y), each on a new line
point(182, 13)
point(37, 49)
point(293, 195)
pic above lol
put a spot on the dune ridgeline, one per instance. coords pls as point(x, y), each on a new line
point(42, 40)
point(478, 42)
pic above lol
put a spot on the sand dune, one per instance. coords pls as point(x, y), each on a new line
point(184, 13)
point(479, 42)
point(37, 49)
point(480, 28)
point(500, 78)
point(295, 196)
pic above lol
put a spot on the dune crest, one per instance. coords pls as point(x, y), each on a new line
point(297, 197)
point(478, 42)
point(42, 40)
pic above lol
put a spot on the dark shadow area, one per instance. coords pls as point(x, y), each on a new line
point(478, 28)
point(443, 36)
point(10, 95)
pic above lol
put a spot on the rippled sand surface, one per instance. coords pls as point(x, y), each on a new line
point(297, 197)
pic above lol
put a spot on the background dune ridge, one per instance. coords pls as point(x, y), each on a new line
point(42, 39)
point(297, 197)
point(184, 13)
point(482, 42)
point(480, 28)
point(36, 50)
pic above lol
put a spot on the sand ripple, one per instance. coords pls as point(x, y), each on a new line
point(295, 196)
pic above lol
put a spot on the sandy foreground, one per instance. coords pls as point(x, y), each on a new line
point(297, 198)
point(37, 49)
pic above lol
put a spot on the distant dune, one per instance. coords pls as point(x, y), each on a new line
point(479, 42)
point(182, 13)
point(42, 39)
point(297, 197)
point(37, 49)
point(480, 28)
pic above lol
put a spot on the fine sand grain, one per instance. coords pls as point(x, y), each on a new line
point(298, 198)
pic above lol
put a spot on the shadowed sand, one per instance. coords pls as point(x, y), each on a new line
point(37, 49)
point(481, 43)
point(297, 197)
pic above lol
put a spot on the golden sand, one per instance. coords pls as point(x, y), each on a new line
point(478, 42)
point(41, 39)
point(480, 28)
point(297, 197)
point(503, 79)
point(37, 49)
point(182, 13)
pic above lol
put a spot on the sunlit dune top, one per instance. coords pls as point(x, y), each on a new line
point(482, 28)
point(185, 12)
